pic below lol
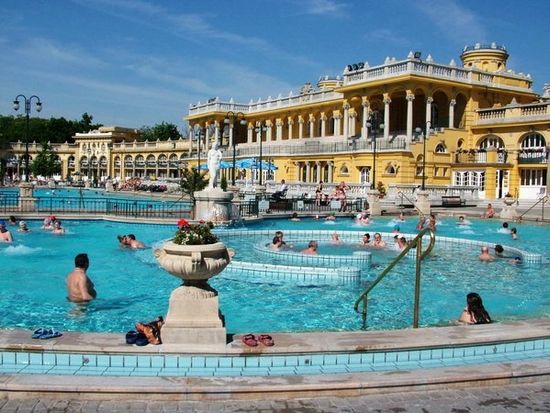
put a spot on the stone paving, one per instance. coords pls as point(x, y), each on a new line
point(525, 397)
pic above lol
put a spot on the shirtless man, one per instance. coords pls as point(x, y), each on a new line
point(57, 229)
point(132, 242)
point(311, 248)
point(485, 256)
point(378, 241)
point(5, 235)
point(79, 287)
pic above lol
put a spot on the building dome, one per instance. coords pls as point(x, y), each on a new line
point(489, 58)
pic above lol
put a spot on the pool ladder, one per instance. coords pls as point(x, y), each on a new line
point(420, 255)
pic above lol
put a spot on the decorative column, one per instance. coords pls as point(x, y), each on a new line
point(268, 134)
point(323, 124)
point(250, 132)
point(351, 127)
point(337, 116)
point(300, 127)
point(27, 202)
point(207, 131)
point(452, 104)
point(346, 107)
point(410, 99)
point(311, 125)
point(318, 164)
point(290, 123)
point(429, 102)
point(387, 102)
point(330, 176)
point(366, 104)
point(279, 131)
point(216, 134)
point(308, 172)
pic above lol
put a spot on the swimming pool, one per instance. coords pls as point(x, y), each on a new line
point(131, 287)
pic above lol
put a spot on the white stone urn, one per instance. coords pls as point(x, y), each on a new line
point(193, 320)
point(508, 200)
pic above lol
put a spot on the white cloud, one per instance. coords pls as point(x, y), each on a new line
point(324, 7)
point(387, 36)
point(453, 19)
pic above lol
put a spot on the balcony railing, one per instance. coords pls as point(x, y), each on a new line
point(533, 156)
point(514, 113)
point(479, 156)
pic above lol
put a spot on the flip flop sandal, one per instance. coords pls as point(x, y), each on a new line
point(141, 340)
point(51, 333)
point(131, 337)
point(250, 340)
point(266, 340)
point(38, 333)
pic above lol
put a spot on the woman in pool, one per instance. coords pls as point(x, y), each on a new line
point(474, 312)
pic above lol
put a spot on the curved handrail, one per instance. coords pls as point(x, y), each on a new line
point(411, 201)
point(416, 242)
point(544, 200)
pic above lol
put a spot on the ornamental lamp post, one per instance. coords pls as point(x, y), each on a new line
point(230, 118)
point(27, 113)
point(425, 137)
point(198, 137)
point(373, 125)
point(259, 129)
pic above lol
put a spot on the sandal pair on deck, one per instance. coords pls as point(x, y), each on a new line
point(251, 341)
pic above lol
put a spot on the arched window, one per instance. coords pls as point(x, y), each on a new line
point(390, 170)
point(344, 170)
point(460, 143)
point(128, 161)
point(440, 148)
point(365, 175)
point(533, 140)
point(492, 140)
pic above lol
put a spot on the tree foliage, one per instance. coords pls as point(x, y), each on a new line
point(45, 163)
point(161, 131)
point(54, 130)
point(191, 182)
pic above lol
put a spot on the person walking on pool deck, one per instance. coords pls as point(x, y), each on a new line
point(80, 288)
point(474, 312)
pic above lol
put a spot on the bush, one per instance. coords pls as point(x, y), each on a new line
point(223, 183)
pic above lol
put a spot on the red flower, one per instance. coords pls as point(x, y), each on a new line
point(202, 221)
point(182, 223)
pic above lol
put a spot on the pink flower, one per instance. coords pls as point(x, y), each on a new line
point(202, 221)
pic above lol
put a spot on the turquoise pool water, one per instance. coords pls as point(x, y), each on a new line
point(131, 287)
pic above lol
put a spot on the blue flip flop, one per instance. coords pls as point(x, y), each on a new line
point(50, 333)
point(38, 333)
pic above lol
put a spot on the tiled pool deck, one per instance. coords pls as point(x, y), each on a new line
point(342, 362)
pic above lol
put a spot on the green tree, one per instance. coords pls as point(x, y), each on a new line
point(45, 163)
point(191, 182)
point(161, 131)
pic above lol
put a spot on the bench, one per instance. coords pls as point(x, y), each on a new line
point(452, 201)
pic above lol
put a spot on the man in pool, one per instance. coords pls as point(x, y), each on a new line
point(5, 235)
point(311, 248)
point(80, 288)
point(485, 256)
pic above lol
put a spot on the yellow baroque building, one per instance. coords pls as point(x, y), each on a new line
point(477, 126)
point(404, 123)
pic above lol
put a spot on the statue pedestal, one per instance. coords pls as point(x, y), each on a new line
point(423, 203)
point(193, 321)
point(27, 202)
point(373, 198)
point(213, 205)
point(509, 212)
point(109, 185)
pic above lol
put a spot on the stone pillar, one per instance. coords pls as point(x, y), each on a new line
point(27, 202)
point(213, 205)
point(410, 99)
point(351, 126)
point(452, 104)
point(423, 202)
point(290, 123)
point(308, 172)
point(429, 102)
point(268, 134)
point(346, 107)
point(387, 102)
point(330, 175)
point(279, 132)
point(337, 122)
point(373, 198)
point(319, 178)
point(323, 124)
point(300, 127)
point(230, 143)
point(311, 126)
point(249, 133)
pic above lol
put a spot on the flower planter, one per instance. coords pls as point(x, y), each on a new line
point(509, 200)
point(193, 320)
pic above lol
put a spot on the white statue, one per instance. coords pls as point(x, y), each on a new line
point(214, 160)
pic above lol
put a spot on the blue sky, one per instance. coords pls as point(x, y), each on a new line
point(137, 62)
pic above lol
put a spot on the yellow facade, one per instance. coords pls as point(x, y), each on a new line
point(486, 129)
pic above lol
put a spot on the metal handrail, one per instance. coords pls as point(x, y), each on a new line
point(544, 200)
point(415, 243)
point(410, 200)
